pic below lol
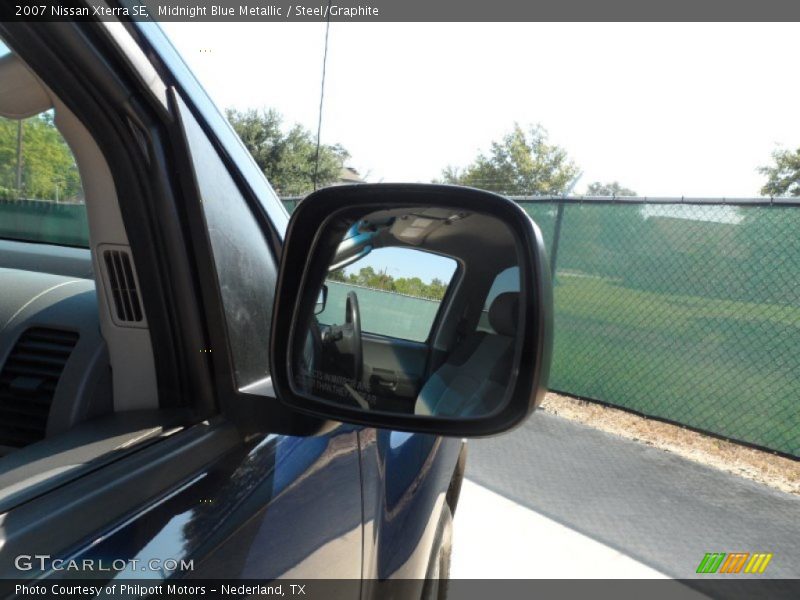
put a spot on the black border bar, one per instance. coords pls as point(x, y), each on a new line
point(404, 11)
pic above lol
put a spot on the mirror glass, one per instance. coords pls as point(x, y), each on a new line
point(421, 314)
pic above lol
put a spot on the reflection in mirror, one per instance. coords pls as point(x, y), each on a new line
point(322, 300)
point(421, 314)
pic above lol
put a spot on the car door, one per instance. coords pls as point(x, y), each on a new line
point(291, 506)
point(304, 514)
point(219, 498)
point(208, 500)
point(279, 506)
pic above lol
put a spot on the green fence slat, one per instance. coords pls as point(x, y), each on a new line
point(43, 221)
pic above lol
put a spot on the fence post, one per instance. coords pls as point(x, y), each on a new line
point(19, 158)
point(556, 238)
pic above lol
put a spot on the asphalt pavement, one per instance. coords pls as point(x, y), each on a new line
point(660, 510)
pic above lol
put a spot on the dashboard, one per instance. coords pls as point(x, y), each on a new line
point(54, 366)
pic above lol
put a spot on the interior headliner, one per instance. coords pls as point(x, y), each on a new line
point(469, 237)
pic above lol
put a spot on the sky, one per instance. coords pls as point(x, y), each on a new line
point(665, 109)
point(406, 262)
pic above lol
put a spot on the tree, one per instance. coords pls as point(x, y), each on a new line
point(337, 276)
point(48, 167)
point(380, 280)
point(608, 189)
point(783, 178)
point(522, 163)
point(436, 289)
point(287, 159)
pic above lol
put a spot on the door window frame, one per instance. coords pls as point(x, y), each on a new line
point(87, 71)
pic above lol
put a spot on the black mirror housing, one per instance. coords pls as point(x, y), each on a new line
point(312, 239)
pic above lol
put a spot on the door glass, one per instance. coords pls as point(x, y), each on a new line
point(243, 262)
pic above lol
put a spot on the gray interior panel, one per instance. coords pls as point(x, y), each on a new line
point(40, 300)
point(396, 365)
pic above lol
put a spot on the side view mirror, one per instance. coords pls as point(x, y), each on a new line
point(441, 323)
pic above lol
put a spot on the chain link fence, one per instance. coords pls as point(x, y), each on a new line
point(685, 310)
point(44, 221)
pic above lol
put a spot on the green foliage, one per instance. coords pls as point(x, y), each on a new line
point(48, 167)
point(608, 189)
point(337, 276)
point(287, 159)
point(522, 163)
point(783, 178)
point(411, 286)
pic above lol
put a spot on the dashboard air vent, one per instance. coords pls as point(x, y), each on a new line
point(122, 284)
point(28, 383)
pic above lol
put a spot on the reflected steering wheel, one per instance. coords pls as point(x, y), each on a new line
point(352, 319)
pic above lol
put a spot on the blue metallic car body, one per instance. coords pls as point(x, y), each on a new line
point(365, 501)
